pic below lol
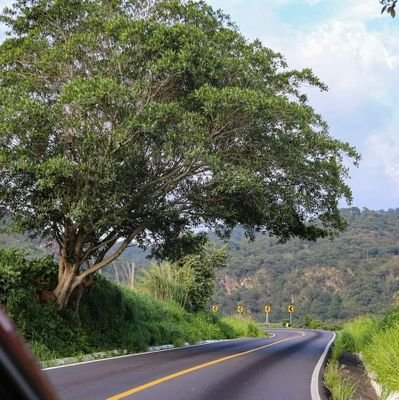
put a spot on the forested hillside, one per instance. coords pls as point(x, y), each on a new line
point(33, 248)
point(354, 274)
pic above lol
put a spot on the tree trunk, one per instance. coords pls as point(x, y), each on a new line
point(72, 256)
point(67, 282)
point(79, 292)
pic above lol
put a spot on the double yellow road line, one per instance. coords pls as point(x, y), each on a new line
point(196, 368)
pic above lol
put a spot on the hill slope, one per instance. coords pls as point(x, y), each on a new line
point(356, 273)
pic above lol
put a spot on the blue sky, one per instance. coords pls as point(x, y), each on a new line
point(355, 51)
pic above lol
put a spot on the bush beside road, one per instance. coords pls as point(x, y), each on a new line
point(376, 341)
point(109, 316)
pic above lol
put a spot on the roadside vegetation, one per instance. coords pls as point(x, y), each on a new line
point(109, 316)
point(377, 340)
point(311, 323)
point(339, 387)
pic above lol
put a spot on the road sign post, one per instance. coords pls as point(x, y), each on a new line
point(240, 310)
point(291, 309)
point(215, 308)
point(268, 308)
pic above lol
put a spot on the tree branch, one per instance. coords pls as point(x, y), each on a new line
point(112, 257)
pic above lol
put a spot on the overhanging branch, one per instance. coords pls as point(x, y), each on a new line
point(96, 267)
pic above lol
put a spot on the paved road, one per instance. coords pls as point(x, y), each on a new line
point(277, 368)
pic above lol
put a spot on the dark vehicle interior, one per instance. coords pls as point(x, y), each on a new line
point(20, 376)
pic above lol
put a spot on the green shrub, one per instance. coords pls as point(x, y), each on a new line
point(42, 324)
point(244, 327)
point(382, 356)
point(311, 323)
point(358, 333)
point(169, 283)
point(18, 272)
point(202, 267)
point(110, 317)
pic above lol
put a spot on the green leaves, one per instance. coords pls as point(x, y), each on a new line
point(123, 119)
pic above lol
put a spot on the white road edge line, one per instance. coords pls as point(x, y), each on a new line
point(314, 383)
point(144, 353)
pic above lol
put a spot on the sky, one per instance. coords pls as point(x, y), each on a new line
point(355, 51)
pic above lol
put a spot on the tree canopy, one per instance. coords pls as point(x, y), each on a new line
point(127, 121)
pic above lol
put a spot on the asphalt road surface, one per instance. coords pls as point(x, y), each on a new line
point(276, 368)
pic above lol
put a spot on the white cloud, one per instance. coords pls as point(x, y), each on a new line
point(356, 52)
point(354, 62)
point(383, 153)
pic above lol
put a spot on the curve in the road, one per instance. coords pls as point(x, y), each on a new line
point(198, 367)
point(278, 368)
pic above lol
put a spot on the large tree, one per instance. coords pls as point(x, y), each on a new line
point(132, 121)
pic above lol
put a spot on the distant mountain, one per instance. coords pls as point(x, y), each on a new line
point(34, 248)
point(355, 274)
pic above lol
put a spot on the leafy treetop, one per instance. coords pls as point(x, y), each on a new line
point(127, 121)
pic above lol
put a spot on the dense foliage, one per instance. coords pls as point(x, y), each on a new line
point(109, 317)
point(190, 281)
point(135, 120)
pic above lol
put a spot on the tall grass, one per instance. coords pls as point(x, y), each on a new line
point(382, 357)
point(338, 386)
point(41, 351)
point(134, 320)
point(168, 283)
point(357, 334)
point(244, 327)
point(378, 341)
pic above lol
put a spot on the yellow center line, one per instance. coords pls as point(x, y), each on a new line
point(196, 368)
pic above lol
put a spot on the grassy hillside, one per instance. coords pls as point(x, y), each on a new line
point(109, 317)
